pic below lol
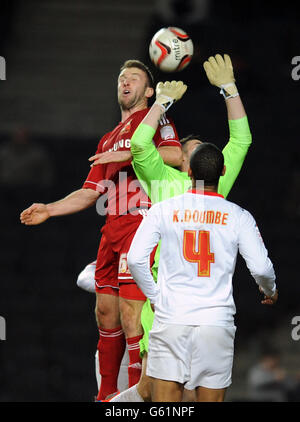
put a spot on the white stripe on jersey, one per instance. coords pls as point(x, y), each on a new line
point(164, 120)
point(166, 142)
point(97, 184)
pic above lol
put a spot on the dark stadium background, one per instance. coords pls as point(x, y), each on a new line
point(62, 61)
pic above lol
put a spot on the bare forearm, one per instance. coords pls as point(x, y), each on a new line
point(235, 108)
point(75, 202)
point(153, 117)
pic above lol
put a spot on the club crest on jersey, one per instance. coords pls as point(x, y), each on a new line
point(167, 132)
point(126, 128)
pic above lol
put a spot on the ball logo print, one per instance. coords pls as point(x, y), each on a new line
point(171, 49)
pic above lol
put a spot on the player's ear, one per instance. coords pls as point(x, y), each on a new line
point(149, 92)
point(190, 174)
point(223, 171)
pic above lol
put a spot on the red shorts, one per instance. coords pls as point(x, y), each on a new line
point(112, 275)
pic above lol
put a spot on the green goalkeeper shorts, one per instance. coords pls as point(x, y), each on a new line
point(147, 317)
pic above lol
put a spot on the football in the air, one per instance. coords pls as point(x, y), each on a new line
point(171, 49)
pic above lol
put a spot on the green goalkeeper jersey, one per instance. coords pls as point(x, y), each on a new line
point(161, 181)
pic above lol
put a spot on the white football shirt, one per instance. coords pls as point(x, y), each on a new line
point(201, 235)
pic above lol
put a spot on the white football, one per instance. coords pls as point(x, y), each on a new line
point(171, 49)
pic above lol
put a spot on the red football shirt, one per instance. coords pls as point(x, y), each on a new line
point(123, 192)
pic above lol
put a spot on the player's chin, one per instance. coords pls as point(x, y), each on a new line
point(123, 101)
point(127, 103)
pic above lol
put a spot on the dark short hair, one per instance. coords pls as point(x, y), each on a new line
point(206, 163)
point(137, 63)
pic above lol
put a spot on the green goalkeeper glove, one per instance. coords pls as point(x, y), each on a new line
point(169, 92)
point(220, 73)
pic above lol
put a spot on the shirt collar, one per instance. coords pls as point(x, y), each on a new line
point(206, 193)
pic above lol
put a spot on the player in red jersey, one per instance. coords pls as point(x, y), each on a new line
point(86, 281)
point(118, 299)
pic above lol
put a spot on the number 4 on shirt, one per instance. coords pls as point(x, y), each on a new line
point(200, 254)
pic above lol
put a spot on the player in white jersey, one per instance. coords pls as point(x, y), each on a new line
point(191, 343)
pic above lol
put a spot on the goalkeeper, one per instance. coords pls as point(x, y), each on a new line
point(161, 181)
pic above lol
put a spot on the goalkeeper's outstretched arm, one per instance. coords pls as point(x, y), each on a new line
point(219, 71)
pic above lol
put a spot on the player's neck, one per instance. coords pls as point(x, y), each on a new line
point(211, 189)
point(125, 114)
point(206, 188)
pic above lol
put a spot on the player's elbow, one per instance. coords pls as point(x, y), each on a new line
point(135, 263)
point(136, 146)
point(131, 260)
point(86, 279)
point(82, 278)
point(81, 282)
point(90, 195)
